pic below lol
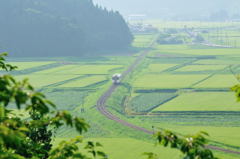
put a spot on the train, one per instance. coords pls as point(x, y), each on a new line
point(116, 78)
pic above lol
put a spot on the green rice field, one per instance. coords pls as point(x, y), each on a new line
point(27, 65)
point(84, 82)
point(186, 89)
point(183, 88)
point(196, 68)
point(202, 101)
point(81, 69)
point(38, 80)
point(219, 61)
point(218, 81)
point(143, 40)
point(155, 68)
point(167, 81)
point(188, 50)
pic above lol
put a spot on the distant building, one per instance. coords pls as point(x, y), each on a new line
point(136, 17)
point(140, 28)
point(137, 24)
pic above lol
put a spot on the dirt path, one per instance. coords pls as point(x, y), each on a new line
point(103, 99)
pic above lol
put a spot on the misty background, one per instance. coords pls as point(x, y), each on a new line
point(90, 27)
point(176, 9)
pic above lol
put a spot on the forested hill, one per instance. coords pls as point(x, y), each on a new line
point(60, 28)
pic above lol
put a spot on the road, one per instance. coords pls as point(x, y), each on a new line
point(101, 104)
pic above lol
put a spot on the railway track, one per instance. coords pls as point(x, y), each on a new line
point(101, 105)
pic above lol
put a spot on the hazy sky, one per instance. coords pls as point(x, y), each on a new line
point(161, 8)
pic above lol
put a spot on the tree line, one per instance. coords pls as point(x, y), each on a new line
point(60, 28)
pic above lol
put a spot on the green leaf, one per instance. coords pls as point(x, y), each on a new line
point(2, 111)
point(98, 144)
point(102, 154)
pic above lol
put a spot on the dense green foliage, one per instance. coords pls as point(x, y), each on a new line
point(60, 28)
point(193, 147)
point(31, 137)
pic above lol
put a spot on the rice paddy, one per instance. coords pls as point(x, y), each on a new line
point(27, 65)
point(186, 89)
point(84, 82)
point(156, 68)
point(218, 81)
point(201, 68)
point(82, 69)
point(155, 81)
point(183, 88)
point(45, 80)
point(202, 101)
point(143, 40)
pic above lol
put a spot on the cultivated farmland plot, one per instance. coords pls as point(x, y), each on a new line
point(79, 82)
point(167, 81)
point(157, 68)
point(27, 65)
point(201, 68)
point(39, 80)
point(183, 88)
point(143, 40)
point(82, 69)
point(218, 81)
point(209, 74)
point(84, 82)
point(188, 50)
point(186, 88)
point(215, 62)
point(202, 101)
